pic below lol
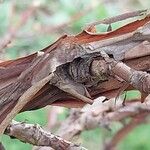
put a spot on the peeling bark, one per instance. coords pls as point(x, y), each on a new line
point(75, 82)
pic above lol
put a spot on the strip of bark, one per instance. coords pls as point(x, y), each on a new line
point(26, 96)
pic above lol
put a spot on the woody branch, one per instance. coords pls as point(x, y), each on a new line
point(35, 135)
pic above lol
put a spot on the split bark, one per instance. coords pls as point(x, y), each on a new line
point(75, 74)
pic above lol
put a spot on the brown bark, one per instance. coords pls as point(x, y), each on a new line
point(19, 76)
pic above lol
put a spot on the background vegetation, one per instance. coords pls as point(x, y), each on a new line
point(30, 25)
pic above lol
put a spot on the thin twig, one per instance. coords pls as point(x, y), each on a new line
point(118, 18)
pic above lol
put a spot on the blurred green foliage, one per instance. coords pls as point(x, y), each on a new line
point(51, 20)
